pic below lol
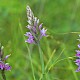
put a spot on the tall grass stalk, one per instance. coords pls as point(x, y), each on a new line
point(55, 60)
point(48, 63)
point(50, 59)
point(29, 52)
point(51, 64)
point(70, 64)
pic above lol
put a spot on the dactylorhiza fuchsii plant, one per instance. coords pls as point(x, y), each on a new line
point(36, 32)
point(4, 66)
point(77, 61)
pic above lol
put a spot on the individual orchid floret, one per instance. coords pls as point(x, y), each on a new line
point(78, 53)
point(7, 56)
point(78, 45)
point(1, 65)
point(78, 69)
point(43, 32)
point(30, 39)
point(7, 67)
point(36, 30)
point(77, 62)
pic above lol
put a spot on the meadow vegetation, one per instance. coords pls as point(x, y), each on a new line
point(61, 18)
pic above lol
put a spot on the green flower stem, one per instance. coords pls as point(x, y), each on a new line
point(3, 75)
point(31, 63)
point(41, 59)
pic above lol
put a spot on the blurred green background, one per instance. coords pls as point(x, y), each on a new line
point(60, 17)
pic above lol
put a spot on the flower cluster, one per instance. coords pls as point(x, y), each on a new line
point(36, 30)
point(3, 65)
point(77, 61)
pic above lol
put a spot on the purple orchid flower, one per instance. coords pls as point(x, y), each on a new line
point(36, 30)
point(3, 65)
point(77, 61)
point(78, 53)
